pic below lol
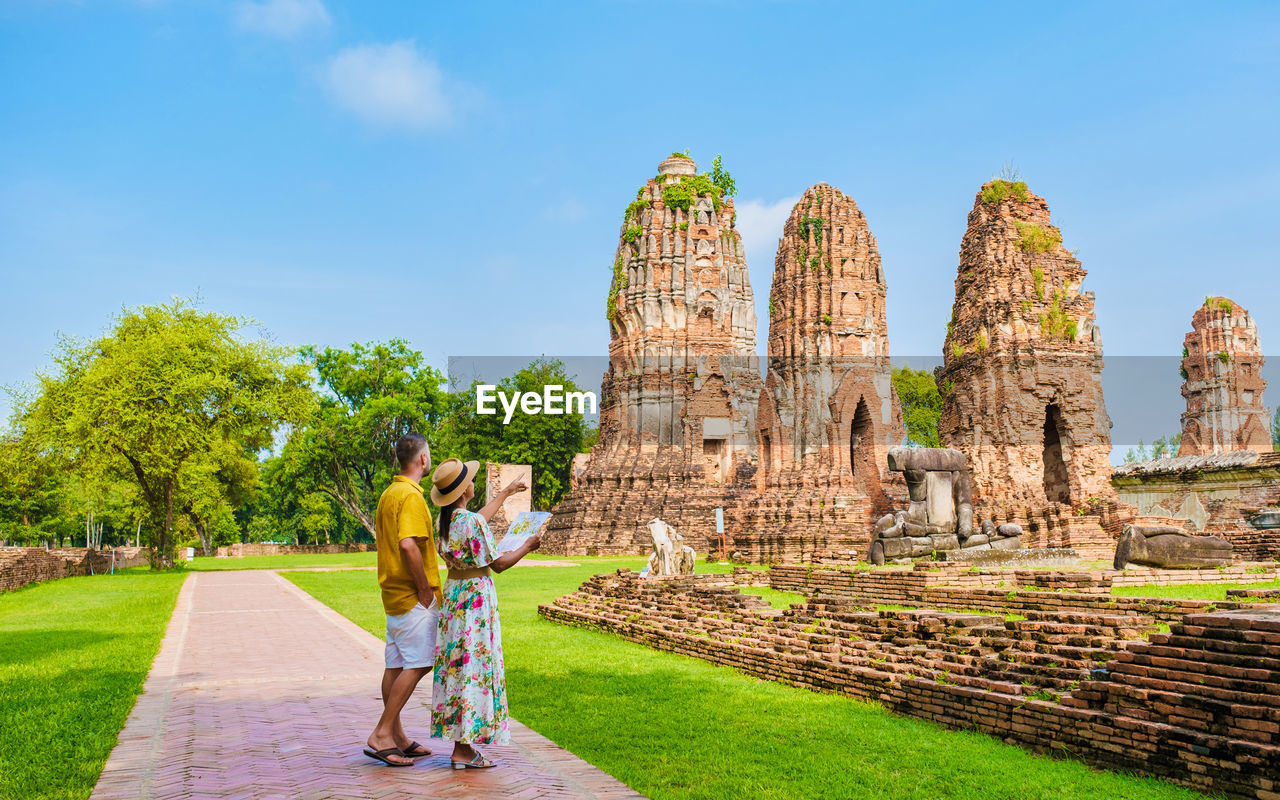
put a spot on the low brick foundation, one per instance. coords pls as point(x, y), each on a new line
point(955, 586)
point(1250, 544)
point(242, 549)
point(1197, 705)
point(20, 566)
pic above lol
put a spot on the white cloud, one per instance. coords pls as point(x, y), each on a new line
point(281, 18)
point(390, 86)
point(760, 224)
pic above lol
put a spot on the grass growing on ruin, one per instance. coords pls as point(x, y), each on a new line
point(1034, 239)
point(73, 656)
point(1007, 617)
point(777, 599)
point(1190, 591)
point(1000, 190)
point(678, 728)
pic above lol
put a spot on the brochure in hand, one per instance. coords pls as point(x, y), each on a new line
point(526, 524)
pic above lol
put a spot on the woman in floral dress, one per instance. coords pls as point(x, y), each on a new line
point(469, 693)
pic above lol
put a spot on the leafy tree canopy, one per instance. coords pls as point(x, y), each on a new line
point(1164, 447)
point(547, 442)
point(31, 492)
point(373, 394)
point(174, 401)
point(921, 405)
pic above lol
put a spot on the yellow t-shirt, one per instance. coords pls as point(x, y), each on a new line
point(402, 514)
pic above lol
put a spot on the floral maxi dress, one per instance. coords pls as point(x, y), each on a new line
point(469, 693)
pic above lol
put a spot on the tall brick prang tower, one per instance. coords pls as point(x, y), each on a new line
point(677, 419)
point(828, 414)
point(1222, 382)
point(1022, 369)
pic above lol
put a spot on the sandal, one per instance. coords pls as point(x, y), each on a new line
point(479, 762)
point(415, 750)
point(381, 755)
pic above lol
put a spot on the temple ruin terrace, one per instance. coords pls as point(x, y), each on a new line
point(988, 603)
point(796, 459)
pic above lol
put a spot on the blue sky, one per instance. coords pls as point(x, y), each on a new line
point(454, 174)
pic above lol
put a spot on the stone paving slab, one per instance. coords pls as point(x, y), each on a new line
point(262, 692)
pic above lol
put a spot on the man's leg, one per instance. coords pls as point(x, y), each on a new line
point(411, 640)
point(398, 732)
point(397, 694)
point(388, 678)
point(418, 647)
point(394, 669)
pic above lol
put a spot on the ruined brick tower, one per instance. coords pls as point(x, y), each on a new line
point(1021, 373)
point(1222, 382)
point(677, 417)
point(828, 415)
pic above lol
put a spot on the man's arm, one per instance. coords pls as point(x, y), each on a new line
point(413, 559)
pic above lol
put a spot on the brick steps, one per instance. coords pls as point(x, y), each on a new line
point(1035, 681)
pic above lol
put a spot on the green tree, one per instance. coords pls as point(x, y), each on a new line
point(547, 442)
point(1166, 446)
point(291, 507)
point(31, 492)
point(159, 401)
point(921, 405)
point(590, 438)
point(373, 394)
point(111, 512)
point(1140, 454)
point(218, 483)
point(721, 177)
point(43, 500)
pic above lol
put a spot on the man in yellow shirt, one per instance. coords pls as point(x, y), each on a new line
point(410, 580)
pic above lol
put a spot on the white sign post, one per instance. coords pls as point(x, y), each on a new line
point(720, 534)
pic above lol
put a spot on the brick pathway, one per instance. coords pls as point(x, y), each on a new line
point(260, 691)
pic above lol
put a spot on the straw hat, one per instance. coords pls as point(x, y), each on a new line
point(451, 479)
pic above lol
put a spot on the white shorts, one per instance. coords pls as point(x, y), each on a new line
point(411, 637)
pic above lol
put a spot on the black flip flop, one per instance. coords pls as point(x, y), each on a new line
point(415, 750)
point(381, 755)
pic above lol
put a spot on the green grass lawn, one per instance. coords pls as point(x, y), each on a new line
point(676, 727)
point(330, 560)
point(776, 598)
point(1189, 591)
point(73, 656)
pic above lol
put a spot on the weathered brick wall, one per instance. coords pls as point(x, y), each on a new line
point(20, 566)
point(1073, 680)
point(1219, 494)
point(242, 549)
point(828, 413)
point(939, 585)
point(1223, 383)
point(498, 476)
point(1022, 365)
point(677, 416)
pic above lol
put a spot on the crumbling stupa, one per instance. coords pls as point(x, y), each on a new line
point(828, 415)
point(677, 417)
point(1222, 382)
point(1021, 375)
